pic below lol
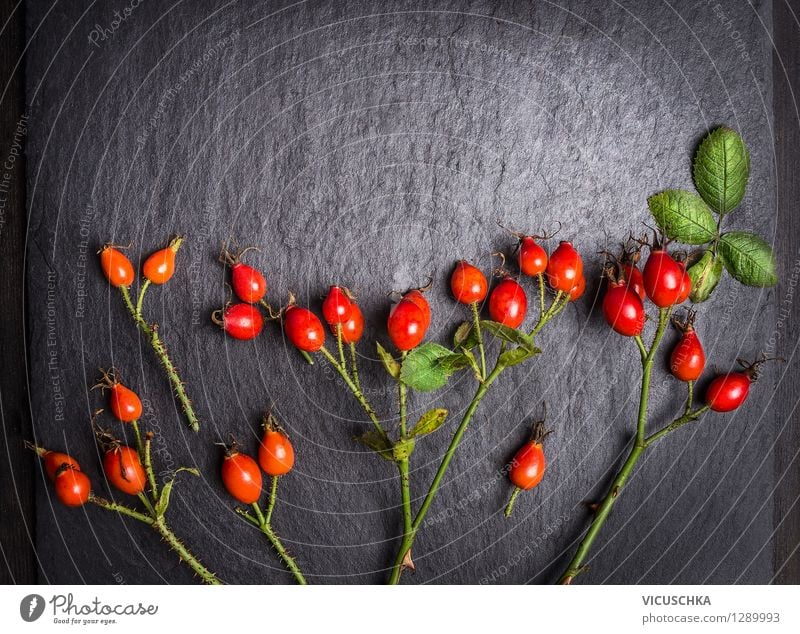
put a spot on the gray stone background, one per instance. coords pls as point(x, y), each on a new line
point(370, 144)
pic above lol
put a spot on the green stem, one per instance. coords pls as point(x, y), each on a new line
point(354, 365)
point(403, 464)
point(640, 344)
point(689, 397)
point(408, 539)
point(121, 508)
point(576, 565)
point(688, 417)
point(151, 331)
point(510, 505)
point(355, 390)
point(540, 279)
point(266, 528)
point(140, 299)
point(340, 346)
point(148, 467)
point(476, 323)
point(138, 435)
point(273, 496)
point(166, 533)
point(143, 499)
point(556, 307)
point(205, 574)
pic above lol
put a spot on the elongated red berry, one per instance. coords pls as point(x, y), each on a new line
point(623, 310)
point(508, 303)
point(353, 328)
point(248, 283)
point(240, 321)
point(406, 325)
point(418, 298)
point(663, 278)
point(564, 268)
point(688, 359)
point(468, 283)
point(303, 328)
point(532, 257)
point(337, 306)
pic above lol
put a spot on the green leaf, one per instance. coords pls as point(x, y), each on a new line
point(748, 258)
point(378, 443)
point(429, 422)
point(465, 336)
point(454, 361)
point(516, 355)
point(683, 216)
point(166, 490)
point(473, 363)
point(422, 369)
point(402, 449)
point(705, 275)
point(389, 362)
point(511, 335)
point(721, 169)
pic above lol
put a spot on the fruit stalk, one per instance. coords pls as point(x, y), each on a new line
point(166, 533)
point(476, 321)
point(641, 443)
point(151, 331)
point(354, 389)
point(402, 465)
point(264, 523)
point(397, 568)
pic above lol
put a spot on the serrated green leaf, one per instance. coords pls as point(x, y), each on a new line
point(748, 258)
point(465, 336)
point(516, 355)
point(705, 275)
point(422, 370)
point(429, 422)
point(166, 490)
point(388, 361)
point(511, 335)
point(721, 169)
point(453, 362)
point(683, 216)
point(378, 443)
point(403, 449)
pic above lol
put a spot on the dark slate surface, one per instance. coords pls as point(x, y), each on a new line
point(370, 144)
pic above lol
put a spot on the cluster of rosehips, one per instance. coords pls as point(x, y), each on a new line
point(159, 267)
point(240, 473)
point(122, 465)
point(665, 282)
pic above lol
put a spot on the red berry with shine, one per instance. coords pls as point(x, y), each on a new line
point(406, 325)
point(248, 283)
point(72, 487)
point(663, 278)
point(418, 298)
point(634, 279)
point(564, 268)
point(125, 403)
point(337, 306)
point(240, 321)
point(527, 468)
point(532, 257)
point(275, 453)
point(728, 391)
point(688, 359)
point(124, 470)
point(468, 283)
point(353, 328)
point(623, 310)
point(508, 303)
point(241, 476)
point(303, 328)
point(577, 291)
